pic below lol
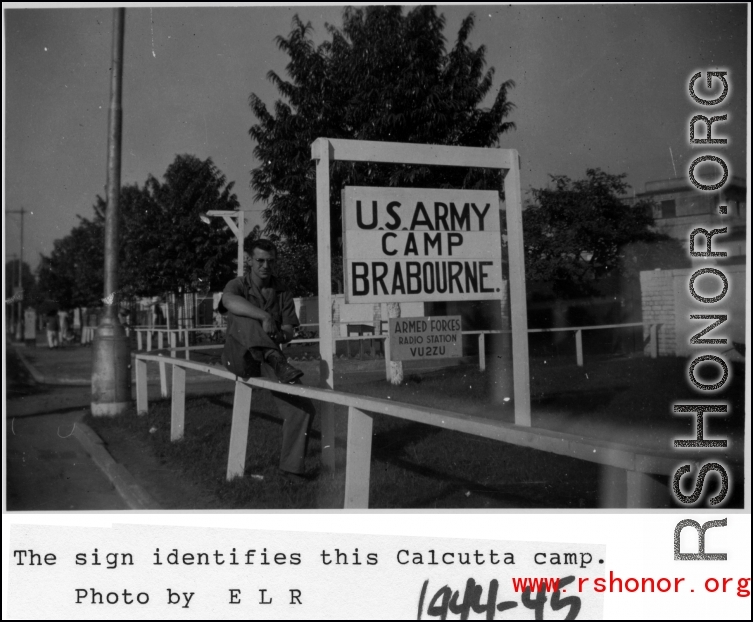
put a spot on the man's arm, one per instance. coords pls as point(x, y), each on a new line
point(238, 305)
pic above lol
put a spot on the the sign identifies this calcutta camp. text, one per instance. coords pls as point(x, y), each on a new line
point(425, 337)
point(414, 244)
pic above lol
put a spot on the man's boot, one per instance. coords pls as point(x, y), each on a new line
point(284, 371)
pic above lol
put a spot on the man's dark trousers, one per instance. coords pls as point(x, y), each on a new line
point(242, 356)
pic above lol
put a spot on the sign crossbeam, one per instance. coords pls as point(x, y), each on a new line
point(409, 153)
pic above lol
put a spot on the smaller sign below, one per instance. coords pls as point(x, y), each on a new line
point(413, 338)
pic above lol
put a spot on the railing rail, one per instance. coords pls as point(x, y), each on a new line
point(638, 463)
point(578, 330)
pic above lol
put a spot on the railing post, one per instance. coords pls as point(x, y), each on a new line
point(138, 339)
point(160, 340)
point(481, 351)
point(185, 343)
point(643, 491)
point(178, 410)
point(653, 340)
point(173, 336)
point(387, 356)
point(579, 347)
point(236, 460)
point(163, 378)
point(358, 459)
point(328, 420)
point(149, 341)
point(142, 389)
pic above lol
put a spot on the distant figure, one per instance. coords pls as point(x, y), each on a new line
point(30, 327)
point(63, 317)
point(159, 317)
point(77, 324)
point(53, 329)
point(125, 320)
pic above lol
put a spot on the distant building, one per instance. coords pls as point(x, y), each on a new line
point(682, 208)
point(679, 209)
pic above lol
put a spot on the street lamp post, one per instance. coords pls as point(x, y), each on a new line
point(111, 359)
point(236, 221)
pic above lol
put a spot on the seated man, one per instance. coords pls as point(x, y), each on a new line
point(261, 315)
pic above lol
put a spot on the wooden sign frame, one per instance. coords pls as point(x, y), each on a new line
point(325, 150)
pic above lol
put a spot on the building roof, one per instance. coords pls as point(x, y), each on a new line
point(682, 184)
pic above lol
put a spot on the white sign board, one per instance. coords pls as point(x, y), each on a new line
point(414, 338)
point(416, 244)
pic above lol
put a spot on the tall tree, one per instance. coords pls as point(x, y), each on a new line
point(384, 76)
point(72, 276)
point(164, 245)
point(581, 231)
point(183, 252)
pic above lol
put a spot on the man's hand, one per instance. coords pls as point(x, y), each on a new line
point(288, 333)
point(268, 324)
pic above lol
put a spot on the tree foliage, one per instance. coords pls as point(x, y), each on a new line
point(167, 247)
point(297, 267)
point(72, 276)
point(384, 76)
point(581, 231)
point(164, 245)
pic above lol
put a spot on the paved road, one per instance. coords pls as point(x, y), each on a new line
point(47, 468)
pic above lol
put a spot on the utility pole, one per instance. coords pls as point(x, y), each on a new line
point(111, 369)
point(18, 322)
point(10, 319)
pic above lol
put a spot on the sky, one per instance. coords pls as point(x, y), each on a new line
point(596, 86)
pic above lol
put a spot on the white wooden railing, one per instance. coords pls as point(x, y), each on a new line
point(173, 334)
point(145, 336)
point(637, 463)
